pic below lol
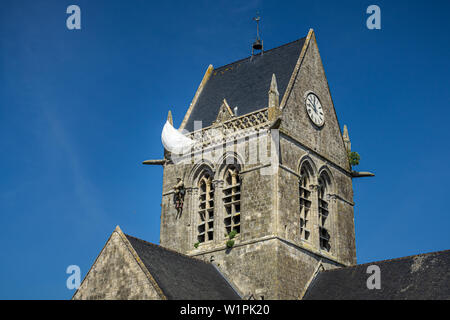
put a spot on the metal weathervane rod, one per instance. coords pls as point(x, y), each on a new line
point(258, 44)
point(257, 19)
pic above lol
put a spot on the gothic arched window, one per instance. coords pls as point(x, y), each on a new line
point(206, 208)
point(324, 220)
point(305, 205)
point(232, 200)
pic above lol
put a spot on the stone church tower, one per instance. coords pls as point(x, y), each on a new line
point(258, 200)
point(270, 166)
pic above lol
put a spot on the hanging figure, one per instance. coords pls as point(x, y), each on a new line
point(178, 196)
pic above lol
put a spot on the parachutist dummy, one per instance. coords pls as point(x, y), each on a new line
point(178, 196)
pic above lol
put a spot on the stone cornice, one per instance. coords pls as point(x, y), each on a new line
point(309, 249)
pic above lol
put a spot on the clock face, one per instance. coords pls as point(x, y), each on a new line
point(314, 109)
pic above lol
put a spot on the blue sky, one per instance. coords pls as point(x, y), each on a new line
point(80, 110)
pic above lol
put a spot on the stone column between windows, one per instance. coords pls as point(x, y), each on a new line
point(240, 236)
point(188, 211)
point(195, 219)
point(315, 238)
point(333, 230)
point(218, 212)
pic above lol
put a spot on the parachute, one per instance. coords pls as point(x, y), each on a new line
point(174, 141)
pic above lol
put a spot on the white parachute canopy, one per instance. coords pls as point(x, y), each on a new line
point(174, 141)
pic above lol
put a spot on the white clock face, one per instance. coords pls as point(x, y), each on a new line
point(315, 110)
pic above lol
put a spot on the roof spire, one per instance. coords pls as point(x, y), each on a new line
point(274, 99)
point(169, 117)
point(258, 44)
point(346, 137)
point(273, 93)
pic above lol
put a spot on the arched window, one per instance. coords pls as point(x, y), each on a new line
point(305, 204)
point(206, 208)
point(324, 220)
point(232, 199)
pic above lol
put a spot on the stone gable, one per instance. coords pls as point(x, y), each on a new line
point(116, 275)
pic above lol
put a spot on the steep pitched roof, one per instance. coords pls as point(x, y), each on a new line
point(245, 83)
point(425, 276)
point(181, 277)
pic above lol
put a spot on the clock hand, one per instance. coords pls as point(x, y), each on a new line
point(315, 104)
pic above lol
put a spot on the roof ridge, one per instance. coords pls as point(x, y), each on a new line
point(246, 58)
point(389, 260)
point(168, 249)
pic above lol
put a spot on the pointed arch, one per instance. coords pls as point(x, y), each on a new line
point(307, 174)
point(307, 164)
point(197, 170)
point(229, 171)
point(325, 189)
point(201, 178)
point(327, 176)
point(227, 159)
point(206, 190)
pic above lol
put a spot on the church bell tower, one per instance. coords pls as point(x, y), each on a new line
point(265, 190)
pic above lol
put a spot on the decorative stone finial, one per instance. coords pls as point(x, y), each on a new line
point(225, 113)
point(169, 117)
point(345, 136)
point(274, 99)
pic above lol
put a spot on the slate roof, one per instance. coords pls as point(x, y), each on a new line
point(245, 83)
point(420, 277)
point(181, 277)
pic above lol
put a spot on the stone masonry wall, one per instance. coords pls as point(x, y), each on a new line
point(268, 269)
point(251, 268)
point(295, 269)
point(257, 197)
point(116, 276)
point(175, 232)
point(341, 205)
point(325, 148)
point(326, 141)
